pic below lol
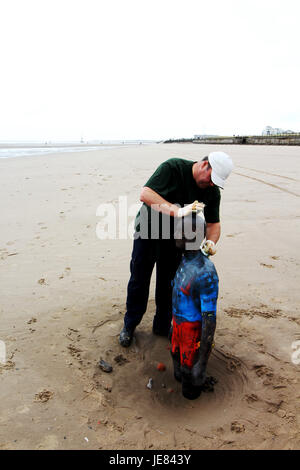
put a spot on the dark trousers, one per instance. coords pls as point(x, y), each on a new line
point(145, 254)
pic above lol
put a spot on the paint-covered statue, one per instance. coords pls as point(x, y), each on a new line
point(194, 304)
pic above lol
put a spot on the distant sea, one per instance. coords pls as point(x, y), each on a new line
point(12, 149)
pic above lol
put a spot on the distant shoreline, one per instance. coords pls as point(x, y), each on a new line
point(11, 145)
point(26, 149)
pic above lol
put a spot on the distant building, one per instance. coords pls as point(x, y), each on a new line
point(268, 130)
point(203, 136)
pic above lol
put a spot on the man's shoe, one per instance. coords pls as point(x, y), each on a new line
point(126, 336)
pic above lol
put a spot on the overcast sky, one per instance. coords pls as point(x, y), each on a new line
point(147, 69)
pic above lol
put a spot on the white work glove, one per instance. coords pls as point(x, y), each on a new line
point(208, 248)
point(187, 210)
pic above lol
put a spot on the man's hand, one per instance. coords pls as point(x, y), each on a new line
point(187, 210)
point(208, 248)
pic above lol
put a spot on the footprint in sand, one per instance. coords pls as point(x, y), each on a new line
point(265, 373)
point(7, 366)
point(261, 311)
point(251, 398)
point(261, 370)
point(120, 359)
point(270, 266)
point(232, 235)
point(237, 427)
point(43, 396)
point(5, 254)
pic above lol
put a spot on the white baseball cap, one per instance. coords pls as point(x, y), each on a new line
point(221, 165)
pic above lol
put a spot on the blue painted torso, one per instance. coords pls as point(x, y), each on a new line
point(195, 288)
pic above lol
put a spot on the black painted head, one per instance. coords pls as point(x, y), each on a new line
point(190, 232)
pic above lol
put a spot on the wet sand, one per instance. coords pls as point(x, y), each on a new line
point(63, 295)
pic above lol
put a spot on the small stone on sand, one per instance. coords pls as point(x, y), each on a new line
point(105, 366)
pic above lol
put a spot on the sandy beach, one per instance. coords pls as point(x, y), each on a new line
point(63, 294)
